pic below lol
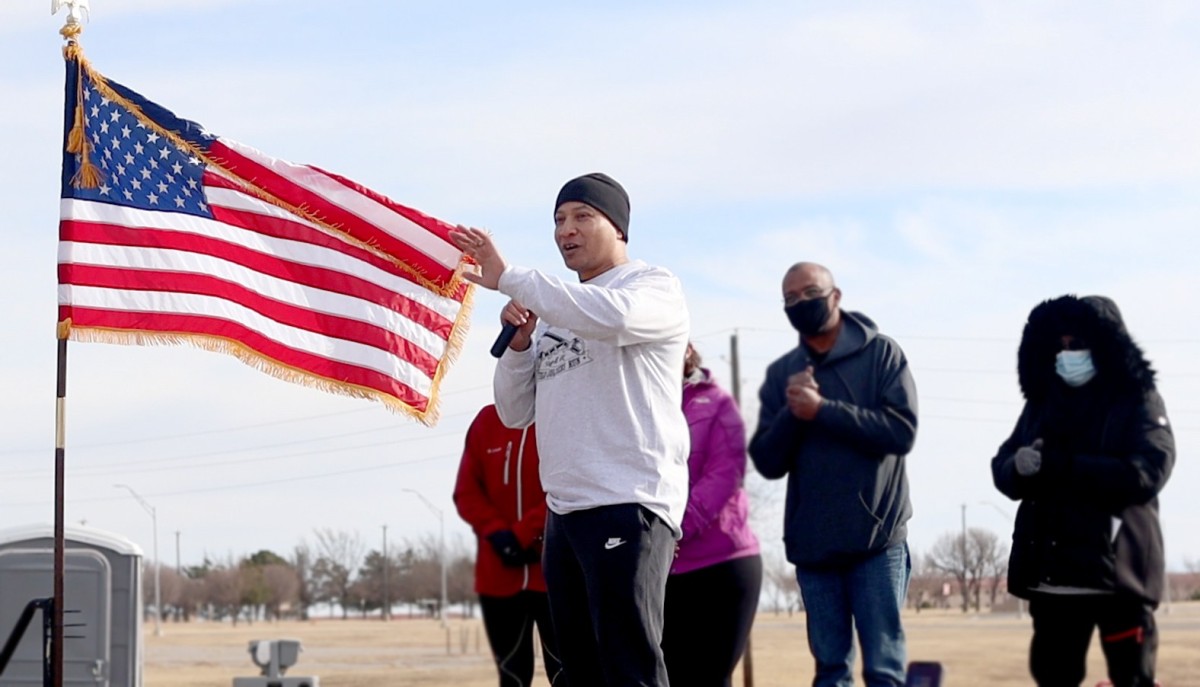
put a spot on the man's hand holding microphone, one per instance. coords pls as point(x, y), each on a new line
point(518, 322)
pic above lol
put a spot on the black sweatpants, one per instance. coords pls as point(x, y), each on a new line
point(509, 622)
point(1062, 631)
point(709, 613)
point(606, 573)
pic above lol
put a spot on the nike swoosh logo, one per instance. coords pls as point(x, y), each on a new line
point(613, 543)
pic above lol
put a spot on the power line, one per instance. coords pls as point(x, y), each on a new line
point(221, 430)
point(100, 470)
point(246, 485)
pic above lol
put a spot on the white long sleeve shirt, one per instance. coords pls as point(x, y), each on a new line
point(604, 381)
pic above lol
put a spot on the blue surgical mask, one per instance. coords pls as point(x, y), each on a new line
point(1075, 367)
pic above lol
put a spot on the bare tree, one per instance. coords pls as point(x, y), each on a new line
point(339, 554)
point(423, 578)
point(970, 560)
point(223, 592)
point(949, 555)
point(283, 589)
point(925, 584)
point(780, 577)
point(303, 563)
point(992, 561)
point(171, 584)
point(460, 577)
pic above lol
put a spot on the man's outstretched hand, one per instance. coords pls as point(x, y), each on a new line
point(478, 244)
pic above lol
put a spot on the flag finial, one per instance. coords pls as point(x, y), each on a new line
point(77, 13)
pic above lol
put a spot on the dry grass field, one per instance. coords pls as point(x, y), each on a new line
point(977, 650)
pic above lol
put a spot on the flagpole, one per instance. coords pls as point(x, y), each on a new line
point(60, 461)
point(76, 10)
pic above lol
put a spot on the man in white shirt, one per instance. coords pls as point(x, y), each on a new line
point(598, 364)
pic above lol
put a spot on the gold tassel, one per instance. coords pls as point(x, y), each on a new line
point(77, 139)
point(88, 175)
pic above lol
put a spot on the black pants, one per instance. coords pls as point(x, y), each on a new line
point(709, 613)
point(509, 622)
point(1062, 631)
point(606, 573)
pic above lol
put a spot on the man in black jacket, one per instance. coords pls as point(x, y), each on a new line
point(838, 416)
point(1090, 452)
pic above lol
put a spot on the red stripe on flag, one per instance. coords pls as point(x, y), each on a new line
point(334, 215)
point(178, 282)
point(308, 275)
point(173, 324)
point(434, 225)
point(269, 225)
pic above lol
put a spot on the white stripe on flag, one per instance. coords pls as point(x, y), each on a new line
point(284, 249)
point(299, 295)
point(357, 204)
point(338, 350)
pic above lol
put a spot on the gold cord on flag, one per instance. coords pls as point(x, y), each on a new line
point(88, 175)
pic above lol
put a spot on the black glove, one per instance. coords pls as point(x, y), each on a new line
point(534, 553)
point(505, 544)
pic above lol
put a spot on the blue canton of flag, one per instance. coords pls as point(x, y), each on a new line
point(141, 169)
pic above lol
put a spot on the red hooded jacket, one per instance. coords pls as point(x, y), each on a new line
point(498, 488)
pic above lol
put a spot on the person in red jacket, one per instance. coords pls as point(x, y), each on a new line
point(499, 494)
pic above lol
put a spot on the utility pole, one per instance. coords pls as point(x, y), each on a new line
point(735, 388)
point(387, 606)
point(735, 370)
point(966, 570)
point(178, 568)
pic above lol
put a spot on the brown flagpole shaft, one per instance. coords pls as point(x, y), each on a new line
point(60, 462)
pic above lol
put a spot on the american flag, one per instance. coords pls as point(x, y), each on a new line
point(170, 234)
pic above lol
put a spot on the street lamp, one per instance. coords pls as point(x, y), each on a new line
point(441, 546)
point(157, 563)
point(1007, 516)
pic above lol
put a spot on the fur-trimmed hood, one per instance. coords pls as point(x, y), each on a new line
point(1121, 366)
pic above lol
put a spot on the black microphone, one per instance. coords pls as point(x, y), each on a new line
point(504, 339)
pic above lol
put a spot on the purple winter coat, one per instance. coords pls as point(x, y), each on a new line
point(716, 525)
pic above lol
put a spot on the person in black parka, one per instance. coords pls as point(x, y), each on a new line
point(1087, 459)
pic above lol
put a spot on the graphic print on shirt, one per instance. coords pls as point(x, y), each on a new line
point(557, 354)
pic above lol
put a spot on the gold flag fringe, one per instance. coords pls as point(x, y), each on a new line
point(454, 346)
point(287, 373)
point(448, 289)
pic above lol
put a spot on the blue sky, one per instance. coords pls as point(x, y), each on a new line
point(953, 163)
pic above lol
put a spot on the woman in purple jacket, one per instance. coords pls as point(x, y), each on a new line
point(712, 592)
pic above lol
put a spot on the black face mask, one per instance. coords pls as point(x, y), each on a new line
point(809, 317)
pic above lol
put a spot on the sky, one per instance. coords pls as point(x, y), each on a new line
point(953, 164)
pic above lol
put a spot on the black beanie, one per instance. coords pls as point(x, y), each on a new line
point(601, 192)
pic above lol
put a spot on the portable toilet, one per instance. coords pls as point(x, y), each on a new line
point(102, 586)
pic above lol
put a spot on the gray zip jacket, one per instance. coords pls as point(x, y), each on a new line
point(603, 379)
